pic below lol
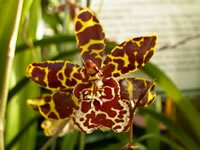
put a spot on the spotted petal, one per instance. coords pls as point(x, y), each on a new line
point(55, 75)
point(90, 36)
point(139, 90)
point(101, 107)
point(56, 106)
point(129, 56)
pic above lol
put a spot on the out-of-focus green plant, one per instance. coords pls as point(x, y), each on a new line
point(19, 91)
point(164, 82)
point(27, 31)
point(8, 35)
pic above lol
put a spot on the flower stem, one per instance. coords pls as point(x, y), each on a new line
point(88, 3)
point(132, 111)
point(81, 141)
point(7, 70)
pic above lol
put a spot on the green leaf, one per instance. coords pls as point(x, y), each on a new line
point(17, 88)
point(154, 72)
point(178, 132)
point(18, 114)
point(183, 104)
point(8, 35)
point(69, 141)
point(164, 139)
point(46, 41)
point(21, 133)
point(153, 125)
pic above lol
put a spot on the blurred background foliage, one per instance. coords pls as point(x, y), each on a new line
point(46, 32)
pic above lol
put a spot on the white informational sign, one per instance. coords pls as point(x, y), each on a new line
point(171, 20)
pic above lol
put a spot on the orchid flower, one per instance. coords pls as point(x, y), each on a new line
point(93, 96)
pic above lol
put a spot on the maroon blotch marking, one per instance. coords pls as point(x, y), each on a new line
point(52, 115)
point(95, 19)
point(125, 70)
point(47, 99)
point(137, 39)
point(78, 76)
point(45, 108)
point(120, 63)
point(149, 42)
point(108, 69)
point(40, 74)
point(106, 107)
point(116, 74)
point(78, 26)
point(101, 120)
point(85, 107)
point(92, 32)
point(53, 68)
point(108, 93)
point(118, 53)
point(85, 16)
point(90, 119)
point(107, 60)
point(131, 66)
point(149, 55)
point(71, 82)
point(121, 114)
point(130, 47)
point(68, 69)
point(60, 75)
point(119, 120)
point(81, 119)
point(96, 46)
point(117, 127)
point(64, 104)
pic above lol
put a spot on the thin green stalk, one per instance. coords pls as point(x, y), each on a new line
point(81, 141)
point(9, 61)
point(88, 3)
point(132, 109)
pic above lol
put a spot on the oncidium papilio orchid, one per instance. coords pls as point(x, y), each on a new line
point(91, 95)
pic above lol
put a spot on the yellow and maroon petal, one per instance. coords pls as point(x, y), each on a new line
point(139, 90)
point(55, 75)
point(129, 56)
point(56, 106)
point(90, 36)
point(101, 107)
